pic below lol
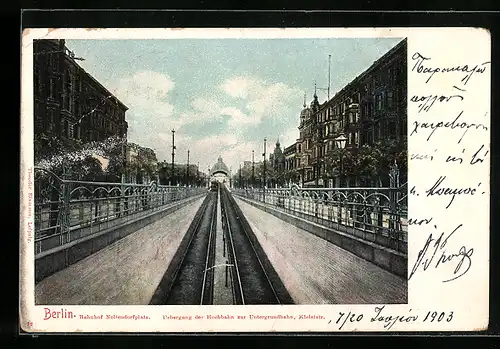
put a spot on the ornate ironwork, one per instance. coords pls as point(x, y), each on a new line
point(67, 210)
point(374, 214)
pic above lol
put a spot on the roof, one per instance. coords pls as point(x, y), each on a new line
point(93, 79)
point(219, 166)
point(399, 47)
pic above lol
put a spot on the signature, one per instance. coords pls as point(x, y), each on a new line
point(435, 247)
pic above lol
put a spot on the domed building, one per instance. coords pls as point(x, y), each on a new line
point(305, 113)
point(219, 171)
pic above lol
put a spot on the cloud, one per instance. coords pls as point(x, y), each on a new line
point(246, 108)
point(289, 136)
point(239, 119)
point(146, 90)
point(264, 100)
point(238, 87)
point(151, 114)
point(251, 109)
point(202, 110)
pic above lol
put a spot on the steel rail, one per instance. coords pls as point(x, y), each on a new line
point(233, 253)
point(210, 254)
point(240, 217)
point(191, 238)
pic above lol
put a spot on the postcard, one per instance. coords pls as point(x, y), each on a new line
point(255, 180)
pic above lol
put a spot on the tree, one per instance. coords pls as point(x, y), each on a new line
point(391, 150)
point(335, 168)
point(56, 154)
point(48, 145)
point(86, 169)
point(367, 165)
point(272, 176)
point(179, 175)
point(291, 176)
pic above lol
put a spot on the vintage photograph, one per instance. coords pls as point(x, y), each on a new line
point(220, 171)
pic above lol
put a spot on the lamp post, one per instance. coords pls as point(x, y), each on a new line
point(394, 175)
point(253, 169)
point(341, 141)
point(241, 186)
point(187, 171)
point(264, 155)
point(316, 173)
point(198, 174)
point(173, 155)
point(208, 177)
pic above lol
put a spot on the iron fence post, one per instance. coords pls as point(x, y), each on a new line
point(393, 184)
point(64, 209)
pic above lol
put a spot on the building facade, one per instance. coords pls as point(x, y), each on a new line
point(68, 102)
point(277, 160)
point(370, 109)
point(290, 154)
point(141, 164)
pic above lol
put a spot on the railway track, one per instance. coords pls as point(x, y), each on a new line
point(253, 278)
point(189, 279)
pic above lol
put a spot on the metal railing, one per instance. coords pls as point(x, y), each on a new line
point(378, 215)
point(67, 210)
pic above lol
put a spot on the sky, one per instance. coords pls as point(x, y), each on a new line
point(221, 96)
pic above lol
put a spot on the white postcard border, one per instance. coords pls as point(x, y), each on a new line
point(465, 301)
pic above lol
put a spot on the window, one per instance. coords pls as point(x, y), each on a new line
point(52, 88)
point(402, 130)
point(392, 130)
point(53, 61)
point(390, 100)
point(78, 111)
point(50, 121)
point(70, 94)
point(379, 102)
point(36, 83)
point(66, 128)
point(66, 90)
point(76, 131)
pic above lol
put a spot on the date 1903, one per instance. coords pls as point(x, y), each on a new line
point(389, 321)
